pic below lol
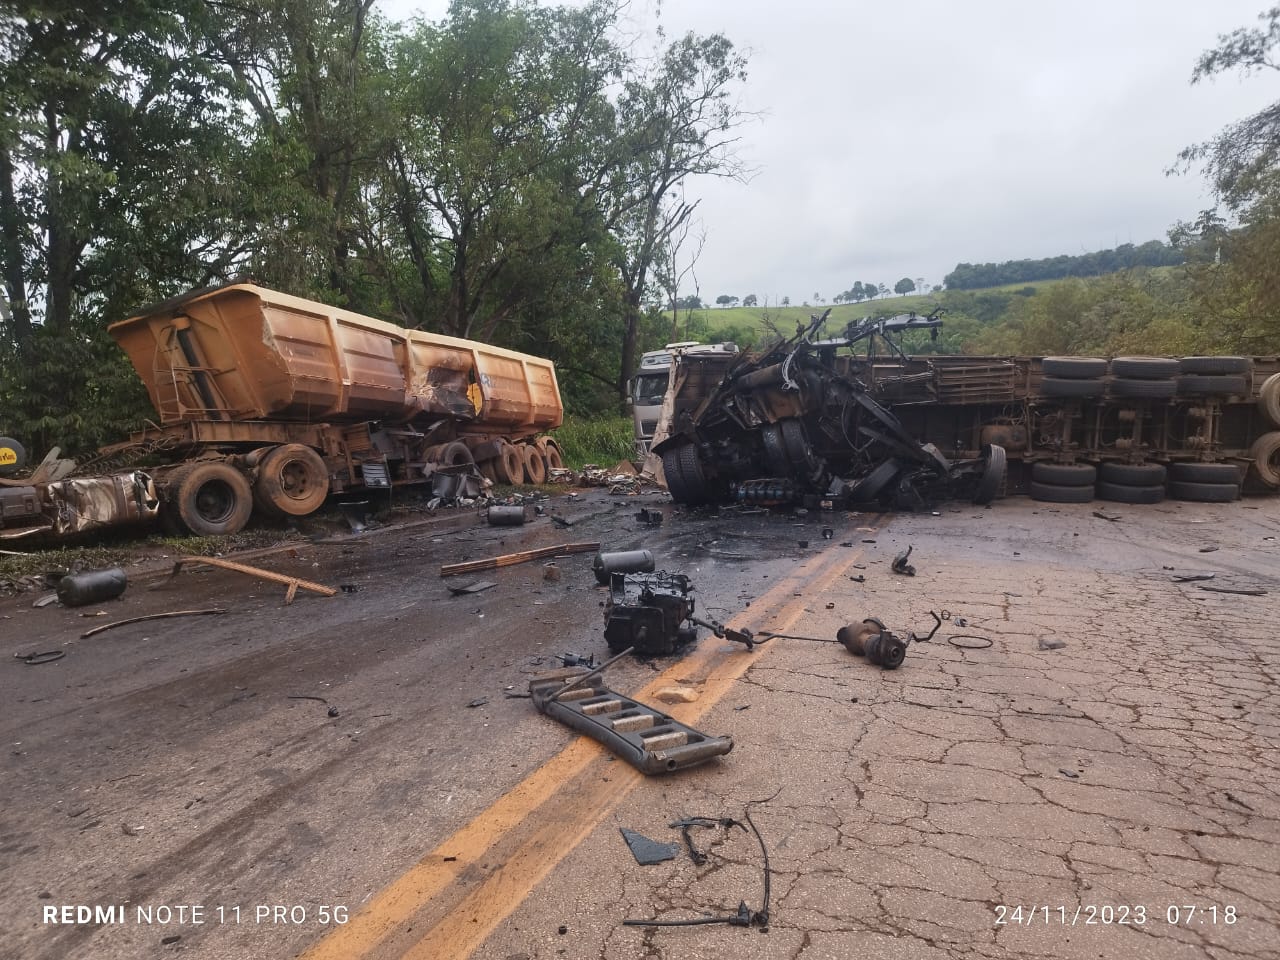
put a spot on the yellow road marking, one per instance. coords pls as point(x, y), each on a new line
point(571, 800)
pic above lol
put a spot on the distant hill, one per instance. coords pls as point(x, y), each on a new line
point(972, 276)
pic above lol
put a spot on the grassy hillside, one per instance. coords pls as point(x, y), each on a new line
point(715, 323)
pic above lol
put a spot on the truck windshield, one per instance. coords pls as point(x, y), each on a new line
point(651, 388)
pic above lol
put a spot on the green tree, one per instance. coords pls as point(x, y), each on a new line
point(904, 286)
point(750, 300)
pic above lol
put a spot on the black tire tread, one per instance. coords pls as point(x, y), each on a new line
point(1203, 492)
point(1213, 384)
point(1064, 474)
point(1204, 473)
point(1129, 493)
point(1133, 474)
point(1062, 387)
point(1214, 366)
point(1149, 389)
point(1074, 368)
point(1054, 493)
point(1145, 368)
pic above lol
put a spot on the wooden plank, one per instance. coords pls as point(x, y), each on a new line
point(509, 559)
point(293, 583)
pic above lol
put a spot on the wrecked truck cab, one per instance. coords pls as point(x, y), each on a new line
point(789, 425)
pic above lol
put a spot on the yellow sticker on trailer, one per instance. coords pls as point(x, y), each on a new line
point(8, 456)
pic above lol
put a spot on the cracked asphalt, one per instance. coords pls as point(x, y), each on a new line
point(1100, 781)
point(1112, 796)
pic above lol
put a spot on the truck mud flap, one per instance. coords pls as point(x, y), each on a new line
point(649, 740)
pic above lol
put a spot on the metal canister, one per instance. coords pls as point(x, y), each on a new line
point(91, 586)
point(622, 561)
point(505, 516)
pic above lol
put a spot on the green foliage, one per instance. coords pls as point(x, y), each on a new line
point(970, 276)
point(603, 441)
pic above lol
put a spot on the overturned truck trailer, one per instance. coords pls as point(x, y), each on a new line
point(853, 419)
point(270, 402)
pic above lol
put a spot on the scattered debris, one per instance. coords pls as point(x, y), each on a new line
point(46, 600)
point(621, 561)
point(744, 916)
point(1228, 588)
point(873, 640)
point(859, 579)
point(651, 517)
point(1209, 549)
point(475, 586)
point(676, 695)
point(333, 712)
point(153, 616)
point(356, 513)
point(1050, 644)
point(505, 516)
point(551, 573)
point(1069, 773)
point(306, 696)
point(827, 533)
point(1103, 516)
point(649, 740)
point(349, 587)
point(293, 583)
point(577, 660)
point(648, 852)
point(91, 586)
point(33, 659)
point(1236, 800)
point(901, 566)
point(1191, 577)
point(510, 559)
point(478, 702)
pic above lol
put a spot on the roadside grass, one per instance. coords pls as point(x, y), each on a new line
point(599, 440)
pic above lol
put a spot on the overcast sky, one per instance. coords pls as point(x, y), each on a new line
point(900, 138)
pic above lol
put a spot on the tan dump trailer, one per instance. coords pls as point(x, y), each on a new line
point(270, 401)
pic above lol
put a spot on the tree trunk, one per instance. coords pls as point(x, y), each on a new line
point(11, 253)
point(630, 338)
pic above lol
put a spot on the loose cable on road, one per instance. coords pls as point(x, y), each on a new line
point(982, 644)
point(151, 616)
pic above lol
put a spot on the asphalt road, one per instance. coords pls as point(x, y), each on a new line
point(1113, 747)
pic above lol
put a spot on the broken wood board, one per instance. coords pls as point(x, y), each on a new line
point(510, 559)
point(293, 583)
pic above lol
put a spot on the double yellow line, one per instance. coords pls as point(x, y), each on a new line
point(446, 909)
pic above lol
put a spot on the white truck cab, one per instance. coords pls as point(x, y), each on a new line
point(649, 385)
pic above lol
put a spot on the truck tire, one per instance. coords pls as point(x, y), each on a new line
point(453, 454)
point(292, 481)
point(1148, 389)
point(1061, 387)
point(1203, 492)
point(1216, 366)
point(1269, 399)
point(1074, 368)
point(12, 456)
point(508, 465)
point(1266, 458)
point(535, 468)
point(1133, 474)
point(1213, 384)
point(1130, 493)
point(694, 478)
point(1144, 368)
point(993, 475)
point(1056, 493)
point(1204, 473)
point(1064, 474)
point(551, 454)
point(676, 486)
point(211, 498)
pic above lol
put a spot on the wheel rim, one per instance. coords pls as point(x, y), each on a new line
point(216, 501)
point(296, 480)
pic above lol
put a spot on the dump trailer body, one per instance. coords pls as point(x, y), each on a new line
point(243, 352)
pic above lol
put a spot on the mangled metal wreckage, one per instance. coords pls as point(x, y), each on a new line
point(789, 425)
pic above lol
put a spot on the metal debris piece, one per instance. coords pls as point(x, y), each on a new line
point(1227, 588)
point(827, 533)
point(648, 739)
point(509, 559)
point(621, 561)
point(46, 600)
point(475, 586)
point(1103, 516)
point(293, 583)
point(901, 566)
point(1209, 549)
point(1052, 644)
point(651, 517)
point(646, 851)
point(873, 640)
point(500, 515)
point(349, 587)
point(478, 702)
point(1191, 577)
point(1069, 773)
point(153, 616)
point(976, 642)
point(356, 513)
point(34, 659)
point(577, 660)
point(333, 712)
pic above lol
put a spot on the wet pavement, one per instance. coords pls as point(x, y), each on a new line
point(1098, 781)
